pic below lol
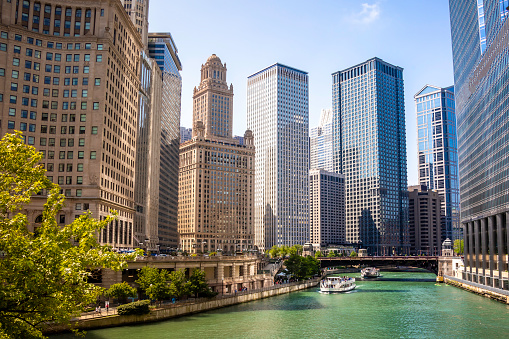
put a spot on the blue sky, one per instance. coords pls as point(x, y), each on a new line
point(319, 37)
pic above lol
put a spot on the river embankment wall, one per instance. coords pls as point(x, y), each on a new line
point(485, 291)
point(160, 314)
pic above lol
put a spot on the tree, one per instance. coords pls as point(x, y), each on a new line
point(179, 286)
point(312, 266)
point(43, 274)
point(302, 268)
point(458, 246)
point(318, 254)
point(121, 292)
point(332, 254)
point(353, 254)
point(155, 283)
point(274, 252)
point(197, 284)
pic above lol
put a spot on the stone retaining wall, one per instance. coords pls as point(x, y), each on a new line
point(168, 313)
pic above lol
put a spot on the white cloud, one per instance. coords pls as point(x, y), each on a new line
point(368, 14)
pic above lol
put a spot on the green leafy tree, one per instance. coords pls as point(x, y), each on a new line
point(458, 246)
point(284, 251)
point(197, 284)
point(294, 265)
point(312, 266)
point(274, 252)
point(179, 286)
point(121, 292)
point(155, 283)
point(301, 267)
point(43, 274)
point(353, 254)
point(318, 254)
point(331, 254)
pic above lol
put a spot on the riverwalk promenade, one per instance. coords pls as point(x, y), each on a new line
point(93, 320)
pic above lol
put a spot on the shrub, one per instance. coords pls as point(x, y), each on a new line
point(137, 307)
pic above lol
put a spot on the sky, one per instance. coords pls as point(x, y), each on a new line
point(319, 37)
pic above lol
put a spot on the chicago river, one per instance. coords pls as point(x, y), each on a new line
point(399, 305)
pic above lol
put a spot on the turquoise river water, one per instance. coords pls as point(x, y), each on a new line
point(405, 305)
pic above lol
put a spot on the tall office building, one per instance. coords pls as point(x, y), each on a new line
point(185, 134)
point(438, 152)
point(163, 50)
point(278, 115)
point(326, 208)
point(321, 143)
point(148, 150)
point(370, 150)
point(425, 220)
point(216, 175)
point(72, 89)
point(481, 87)
point(138, 11)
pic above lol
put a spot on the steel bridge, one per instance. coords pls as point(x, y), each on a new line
point(429, 263)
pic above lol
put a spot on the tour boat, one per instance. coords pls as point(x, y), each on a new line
point(337, 284)
point(370, 272)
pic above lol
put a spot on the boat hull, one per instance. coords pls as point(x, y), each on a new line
point(337, 290)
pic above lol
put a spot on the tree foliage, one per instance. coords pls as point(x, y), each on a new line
point(301, 267)
point(284, 251)
point(162, 285)
point(154, 282)
point(318, 254)
point(197, 284)
point(458, 246)
point(179, 286)
point(121, 292)
point(43, 275)
point(353, 254)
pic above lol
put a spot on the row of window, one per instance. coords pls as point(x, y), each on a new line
point(49, 44)
point(56, 69)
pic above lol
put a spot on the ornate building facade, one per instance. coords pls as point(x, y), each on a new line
point(216, 174)
point(69, 80)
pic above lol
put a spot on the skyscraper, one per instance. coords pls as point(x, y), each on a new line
point(481, 84)
point(162, 48)
point(148, 149)
point(321, 143)
point(138, 11)
point(438, 152)
point(425, 221)
point(185, 134)
point(216, 175)
point(79, 106)
point(326, 208)
point(278, 115)
point(370, 150)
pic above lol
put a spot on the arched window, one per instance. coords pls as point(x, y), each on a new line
point(38, 220)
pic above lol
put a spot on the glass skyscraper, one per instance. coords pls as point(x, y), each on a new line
point(162, 48)
point(278, 115)
point(370, 150)
point(438, 152)
point(320, 143)
point(482, 110)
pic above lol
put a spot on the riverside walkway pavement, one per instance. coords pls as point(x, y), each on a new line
point(190, 301)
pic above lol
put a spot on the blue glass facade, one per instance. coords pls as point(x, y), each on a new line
point(438, 152)
point(370, 150)
point(482, 109)
point(163, 50)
